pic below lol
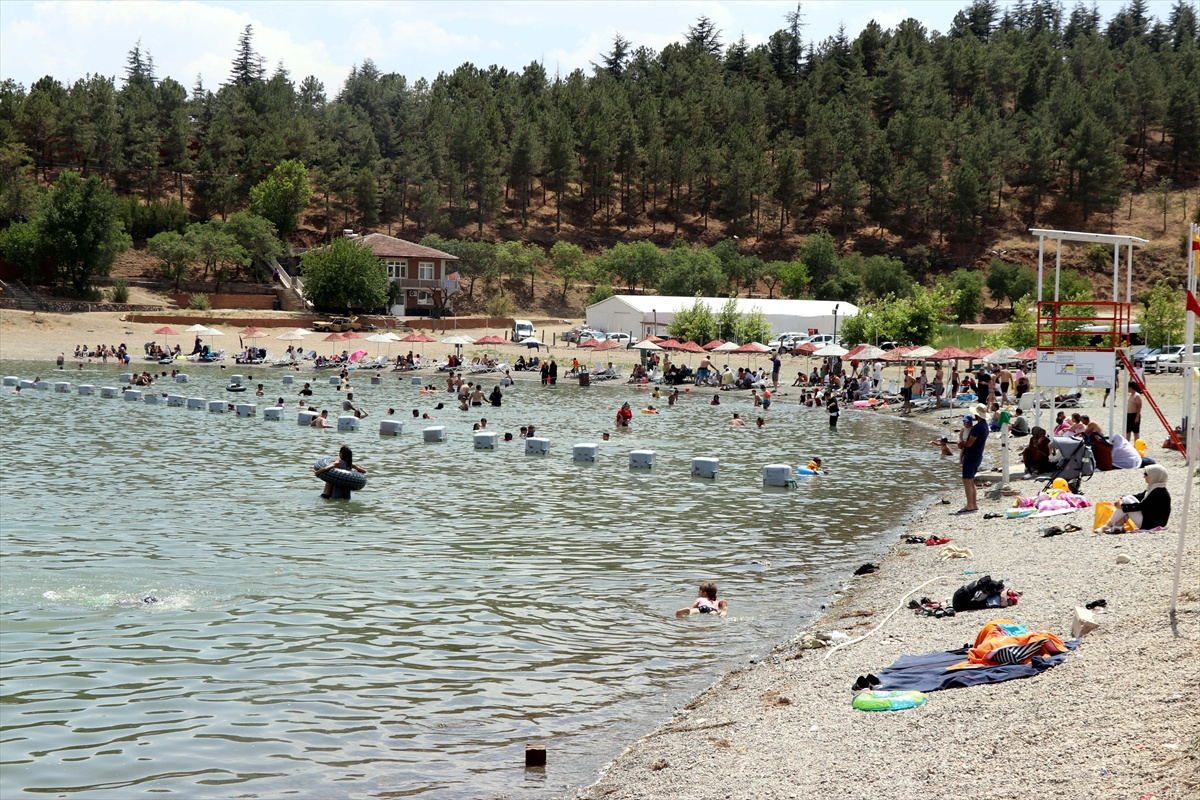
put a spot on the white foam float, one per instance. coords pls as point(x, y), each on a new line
point(587, 452)
point(246, 409)
point(274, 413)
point(485, 440)
point(435, 433)
point(537, 446)
point(642, 459)
point(705, 467)
point(390, 427)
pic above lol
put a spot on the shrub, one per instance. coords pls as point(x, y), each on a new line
point(120, 291)
point(499, 305)
point(144, 220)
point(199, 302)
point(601, 292)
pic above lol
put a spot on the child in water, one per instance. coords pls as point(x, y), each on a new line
point(706, 602)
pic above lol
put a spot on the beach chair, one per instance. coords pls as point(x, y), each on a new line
point(1026, 402)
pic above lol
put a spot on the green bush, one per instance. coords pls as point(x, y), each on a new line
point(199, 302)
point(120, 291)
point(601, 292)
point(144, 220)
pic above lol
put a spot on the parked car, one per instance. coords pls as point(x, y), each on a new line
point(1170, 358)
point(521, 329)
point(338, 325)
point(819, 339)
point(1139, 358)
point(786, 340)
point(580, 333)
point(623, 338)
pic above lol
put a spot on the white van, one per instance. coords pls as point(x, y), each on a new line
point(521, 329)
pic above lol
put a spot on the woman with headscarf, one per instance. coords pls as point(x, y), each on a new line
point(1036, 455)
point(1148, 509)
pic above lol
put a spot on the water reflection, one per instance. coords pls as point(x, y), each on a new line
point(413, 640)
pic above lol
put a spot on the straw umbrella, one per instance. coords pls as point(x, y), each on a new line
point(1002, 356)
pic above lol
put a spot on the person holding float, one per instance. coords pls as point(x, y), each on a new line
point(341, 475)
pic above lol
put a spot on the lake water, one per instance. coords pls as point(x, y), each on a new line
point(412, 641)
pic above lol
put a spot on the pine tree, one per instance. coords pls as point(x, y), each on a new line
point(247, 66)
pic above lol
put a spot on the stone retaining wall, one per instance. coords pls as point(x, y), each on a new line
point(77, 306)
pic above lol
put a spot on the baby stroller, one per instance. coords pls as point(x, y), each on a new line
point(1077, 461)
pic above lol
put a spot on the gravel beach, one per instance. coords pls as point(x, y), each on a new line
point(1120, 718)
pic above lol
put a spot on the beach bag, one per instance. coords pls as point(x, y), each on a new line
point(1104, 512)
point(979, 594)
point(1102, 450)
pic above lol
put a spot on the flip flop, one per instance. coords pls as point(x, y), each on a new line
point(966, 511)
point(1071, 529)
point(1097, 604)
point(933, 541)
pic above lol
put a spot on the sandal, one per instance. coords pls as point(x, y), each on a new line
point(933, 541)
point(1097, 604)
point(966, 511)
point(1072, 528)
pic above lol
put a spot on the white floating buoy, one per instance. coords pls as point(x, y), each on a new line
point(246, 409)
point(585, 452)
point(288, 380)
point(42, 386)
point(377, 380)
point(274, 413)
point(26, 384)
point(304, 418)
point(196, 402)
point(390, 427)
point(334, 380)
point(216, 406)
point(126, 377)
point(181, 378)
point(63, 387)
point(437, 433)
point(176, 401)
point(236, 380)
point(537, 446)
point(86, 389)
point(705, 467)
point(777, 475)
point(12, 380)
point(153, 399)
point(641, 459)
point(485, 440)
point(418, 381)
point(108, 392)
point(347, 422)
point(133, 396)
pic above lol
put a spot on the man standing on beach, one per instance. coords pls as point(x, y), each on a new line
point(776, 365)
point(971, 446)
point(1133, 413)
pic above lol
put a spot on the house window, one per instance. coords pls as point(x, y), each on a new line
point(425, 270)
point(424, 298)
point(397, 269)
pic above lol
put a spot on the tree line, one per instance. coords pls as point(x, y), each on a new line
point(924, 134)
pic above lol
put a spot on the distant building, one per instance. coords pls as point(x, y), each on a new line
point(641, 315)
point(425, 274)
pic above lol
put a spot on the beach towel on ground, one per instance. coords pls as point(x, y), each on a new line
point(1004, 642)
point(931, 672)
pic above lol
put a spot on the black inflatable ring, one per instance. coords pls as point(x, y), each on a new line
point(342, 478)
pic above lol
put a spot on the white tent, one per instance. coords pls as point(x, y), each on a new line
point(639, 315)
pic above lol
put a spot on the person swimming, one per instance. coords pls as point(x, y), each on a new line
point(706, 602)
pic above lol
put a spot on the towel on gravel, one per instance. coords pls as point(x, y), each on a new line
point(930, 672)
point(952, 551)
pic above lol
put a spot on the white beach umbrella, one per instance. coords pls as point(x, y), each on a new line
point(197, 328)
point(725, 348)
point(831, 351)
point(458, 340)
point(291, 336)
point(646, 344)
point(211, 332)
point(1002, 356)
point(924, 351)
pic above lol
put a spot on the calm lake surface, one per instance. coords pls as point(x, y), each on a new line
point(412, 641)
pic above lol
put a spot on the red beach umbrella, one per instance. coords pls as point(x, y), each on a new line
point(593, 342)
point(418, 337)
point(607, 344)
point(981, 352)
point(490, 339)
point(714, 344)
point(1028, 354)
point(167, 330)
point(670, 344)
point(949, 354)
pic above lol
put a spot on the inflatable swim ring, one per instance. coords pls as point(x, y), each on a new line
point(806, 471)
point(235, 387)
point(648, 411)
point(341, 478)
point(887, 701)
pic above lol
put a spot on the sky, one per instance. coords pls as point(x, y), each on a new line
point(71, 38)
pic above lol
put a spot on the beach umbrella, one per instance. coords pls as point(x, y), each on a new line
point(382, 338)
point(418, 337)
point(1028, 354)
point(806, 349)
point(292, 336)
point(334, 337)
point(590, 342)
point(949, 354)
point(608, 344)
point(655, 339)
point(831, 351)
point(854, 351)
point(692, 347)
point(728, 347)
point(167, 330)
point(1001, 356)
point(197, 328)
point(458, 340)
point(982, 352)
point(646, 344)
point(211, 332)
point(671, 344)
point(251, 333)
point(357, 354)
point(714, 344)
point(870, 353)
point(919, 354)
point(491, 338)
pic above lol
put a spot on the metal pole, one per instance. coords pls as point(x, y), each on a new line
point(1129, 273)
point(1057, 272)
point(1004, 455)
point(1116, 270)
point(1041, 262)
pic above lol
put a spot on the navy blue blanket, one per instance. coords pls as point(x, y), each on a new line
point(929, 673)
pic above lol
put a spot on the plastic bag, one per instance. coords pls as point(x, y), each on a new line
point(1104, 512)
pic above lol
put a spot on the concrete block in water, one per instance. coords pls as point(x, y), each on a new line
point(418, 381)
point(390, 427)
point(108, 392)
point(537, 446)
point(347, 422)
point(86, 389)
point(705, 467)
point(334, 380)
point(126, 377)
point(377, 380)
point(288, 380)
point(436, 433)
point(62, 387)
point(305, 418)
point(485, 440)
point(25, 384)
point(176, 401)
point(42, 386)
point(777, 475)
point(152, 399)
point(12, 380)
point(133, 396)
point(181, 378)
point(642, 459)
point(196, 402)
point(246, 409)
point(274, 413)
point(585, 452)
point(216, 407)
point(236, 380)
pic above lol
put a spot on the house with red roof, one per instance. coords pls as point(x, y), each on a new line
point(427, 276)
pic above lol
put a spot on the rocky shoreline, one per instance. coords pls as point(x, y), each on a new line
point(1119, 718)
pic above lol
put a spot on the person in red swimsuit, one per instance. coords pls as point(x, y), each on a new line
point(624, 415)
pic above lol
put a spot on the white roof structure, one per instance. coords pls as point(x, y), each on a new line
point(639, 315)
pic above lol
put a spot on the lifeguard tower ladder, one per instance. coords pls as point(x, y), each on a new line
point(1080, 342)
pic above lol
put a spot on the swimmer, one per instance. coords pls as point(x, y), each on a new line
point(345, 460)
point(260, 391)
point(815, 464)
point(706, 602)
point(321, 421)
point(716, 401)
point(650, 410)
point(508, 437)
point(760, 422)
point(737, 421)
point(944, 443)
point(624, 415)
point(128, 602)
point(606, 436)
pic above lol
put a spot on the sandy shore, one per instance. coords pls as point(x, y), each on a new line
point(1119, 719)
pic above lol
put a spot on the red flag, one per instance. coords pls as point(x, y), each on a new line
point(1196, 241)
point(1192, 305)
